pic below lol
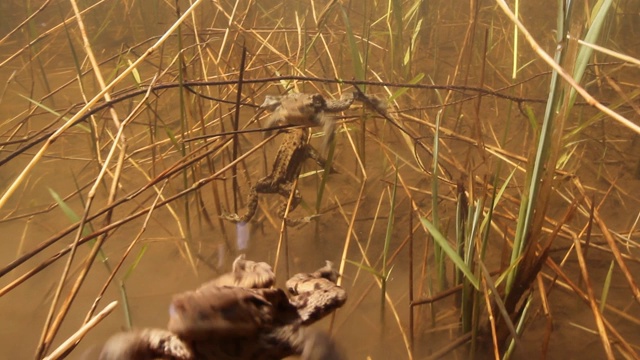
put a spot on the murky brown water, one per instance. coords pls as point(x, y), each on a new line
point(606, 159)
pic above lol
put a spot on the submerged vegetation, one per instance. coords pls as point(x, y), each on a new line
point(489, 212)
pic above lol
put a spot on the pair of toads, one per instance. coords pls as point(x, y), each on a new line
point(239, 315)
point(306, 110)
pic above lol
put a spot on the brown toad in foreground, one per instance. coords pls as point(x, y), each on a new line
point(236, 316)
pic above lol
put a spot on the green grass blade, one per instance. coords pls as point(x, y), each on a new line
point(50, 110)
point(387, 241)
point(439, 256)
point(496, 200)
point(536, 171)
point(133, 266)
point(473, 230)
point(519, 327)
point(135, 74)
point(450, 251)
point(389, 233)
point(462, 211)
point(172, 137)
point(605, 287)
point(356, 59)
point(366, 268)
point(599, 14)
point(67, 210)
point(408, 55)
point(325, 175)
point(416, 79)
point(469, 299)
point(125, 306)
point(74, 218)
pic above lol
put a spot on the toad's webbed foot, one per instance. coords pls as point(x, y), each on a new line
point(252, 206)
point(285, 191)
point(300, 221)
point(233, 217)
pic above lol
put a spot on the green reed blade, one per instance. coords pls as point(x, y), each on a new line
point(598, 14)
point(439, 256)
point(473, 230)
point(470, 299)
point(396, 33)
point(74, 218)
point(408, 55)
point(67, 210)
point(366, 268)
point(497, 300)
point(125, 306)
point(135, 74)
point(519, 327)
point(536, 171)
point(531, 116)
point(172, 137)
point(135, 263)
point(497, 196)
point(356, 59)
point(450, 251)
point(325, 175)
point(401, 91)
point(605, 287)
point(390, 221)
point(461, 225)
point(387, 241)
point(48, 109)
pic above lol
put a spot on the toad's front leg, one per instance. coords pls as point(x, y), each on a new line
point(315, 156)
point(146, 344)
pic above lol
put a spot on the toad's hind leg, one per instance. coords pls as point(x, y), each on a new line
point(252, 205)
point(285, 191)
point(263, 186)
